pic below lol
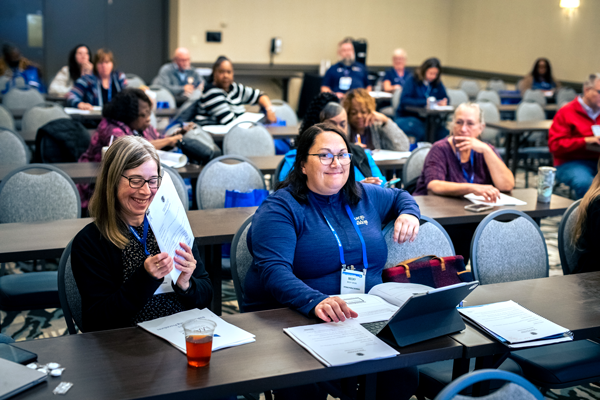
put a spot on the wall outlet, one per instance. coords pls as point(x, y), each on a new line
point(213, 37)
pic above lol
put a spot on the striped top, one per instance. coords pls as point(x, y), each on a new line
point(223, 107)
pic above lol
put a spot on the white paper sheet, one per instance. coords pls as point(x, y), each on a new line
point(340, 343)
point(173, 160)
point(369, 308)
point(442, 108)
point(504, 200)
point(380, 95)
point(381, 155)
point(169, 221)
point(72, 110)
point(398, 293)
point(170, 328)
point(223, 129)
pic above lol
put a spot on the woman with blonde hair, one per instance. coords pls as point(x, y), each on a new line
point(586, 231)
point(121, 274)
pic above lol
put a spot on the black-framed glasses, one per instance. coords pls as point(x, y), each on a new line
point(136, 182)
point(327, 158)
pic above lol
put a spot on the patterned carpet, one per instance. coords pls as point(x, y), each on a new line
point(50, 323)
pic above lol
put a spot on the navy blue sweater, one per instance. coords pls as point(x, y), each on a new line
point(296, 257)
point(415, 93)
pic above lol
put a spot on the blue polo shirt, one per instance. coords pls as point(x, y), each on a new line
point(415, 93)
point(395, 79)
point(341, 78)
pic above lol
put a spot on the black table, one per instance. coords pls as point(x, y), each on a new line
point(433, 119)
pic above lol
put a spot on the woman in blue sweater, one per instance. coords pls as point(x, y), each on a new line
point(297, 261)
point(418, 88)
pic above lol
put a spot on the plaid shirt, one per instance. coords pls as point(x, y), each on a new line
point(87, 89)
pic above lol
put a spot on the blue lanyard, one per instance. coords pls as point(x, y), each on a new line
point(339, 242)
point(142, 240)
point(472, 177)
point(427, 90)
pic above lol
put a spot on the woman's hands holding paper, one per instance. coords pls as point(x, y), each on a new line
point(186, 263)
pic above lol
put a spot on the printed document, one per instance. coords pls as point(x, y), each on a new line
point(340, 343)
point(169, 222)
point(504, 200)
point(223, 129)
point(173, 160)
point(382, 155)
point(170, 328)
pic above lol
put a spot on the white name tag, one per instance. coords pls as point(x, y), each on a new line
point(353, 282)
point(345, 82)
point(165, 287)
point(596, 130)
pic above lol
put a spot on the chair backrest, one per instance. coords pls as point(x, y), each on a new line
point(530, 112)
point(457, 96)
point(40, 115)
point(566, 250)
point(217, 177)
point(241, 260)
point(488, 95)
point(26, 197)
point(490, 114)
point(414, 164)
point(275, 179)
point(134, 81)
point(431, 240)
point(68, 292)
point(163, 94)
point(496, 85)
point(396, 99)
point(517, 388)
point(179, 184)
point(534, 96)
point(508, 251)
point(284, 112)
point(22, 98)
point(470, 87)
point(565, 95)
point(248, 142)
point(6, 119)
point(13, 150)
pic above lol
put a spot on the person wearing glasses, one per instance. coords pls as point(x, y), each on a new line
point(574, 138)
point(462, 164)
point(122, 276)
point(294, 236)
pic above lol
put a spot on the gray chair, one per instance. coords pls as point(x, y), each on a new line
point(457, 96)
point(3, 81)
point(414, 166)
point(566, 250)
point(179, 184)
point(68, 292)
point(217, 177)
point(13, 150)
point(134, 81)
point(470, 87)
point(534, 96)
point(391, 110)
point(6, 119)
point(163, 94)
point(431, 240)
point(488, 95)
point(39, 115)
point(496, 85)
point(490, 114)
point(284, 112)
point(248, 142)
point(565, 95)
point(241, 260)
point(22, 98)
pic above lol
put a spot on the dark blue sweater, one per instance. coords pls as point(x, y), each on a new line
point(296, 257)
point(415, 93)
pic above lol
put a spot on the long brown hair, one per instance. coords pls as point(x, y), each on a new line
point(125, 153)
point(582, 210)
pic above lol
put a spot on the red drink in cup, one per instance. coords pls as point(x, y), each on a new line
point(198, 341)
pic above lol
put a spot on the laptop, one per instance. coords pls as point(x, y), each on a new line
point(16, 378)
point(424, 316)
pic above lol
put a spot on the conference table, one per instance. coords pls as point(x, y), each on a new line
point(434, 117)
point(514, 130)
point(96, 115)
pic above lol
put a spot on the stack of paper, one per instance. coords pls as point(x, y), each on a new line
point(340, 343)
point(223, 129)
point(173, 160)
point(94, 110)
point(170, 328)
point(504, 200)
point(516, 326)
point(381, 155)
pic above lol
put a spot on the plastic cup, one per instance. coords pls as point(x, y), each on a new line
point(198, 341)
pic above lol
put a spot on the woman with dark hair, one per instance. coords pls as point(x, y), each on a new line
point(79, 65)
point(121, 274)
point(223, 99)
point(98, 88)
point(540, 78)
point(417, 90)
point(299, 234)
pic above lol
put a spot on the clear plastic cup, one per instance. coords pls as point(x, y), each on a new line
point(198, 341)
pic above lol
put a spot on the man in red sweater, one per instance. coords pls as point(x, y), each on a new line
point(574, 138)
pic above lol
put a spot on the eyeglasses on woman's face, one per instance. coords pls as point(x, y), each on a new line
point(327, 158)
point(137, 182)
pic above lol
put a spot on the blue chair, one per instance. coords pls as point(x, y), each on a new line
point(517, 387)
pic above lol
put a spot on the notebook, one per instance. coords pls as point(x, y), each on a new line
point(16, 378)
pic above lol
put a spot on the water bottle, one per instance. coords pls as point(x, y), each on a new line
point(546, 177)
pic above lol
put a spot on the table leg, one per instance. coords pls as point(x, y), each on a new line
point(212, 256)
point(285, 82)
point(367, 387)
point(430, 126)
point(482, 388)
point(460, 367)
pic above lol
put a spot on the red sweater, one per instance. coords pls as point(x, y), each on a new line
point(566, 137)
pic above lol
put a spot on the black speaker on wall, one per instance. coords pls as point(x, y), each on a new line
point(360, 50)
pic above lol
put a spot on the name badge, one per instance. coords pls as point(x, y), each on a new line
point(345, 82)
point(165, 287)
point(596, 130)
point(353, 282)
